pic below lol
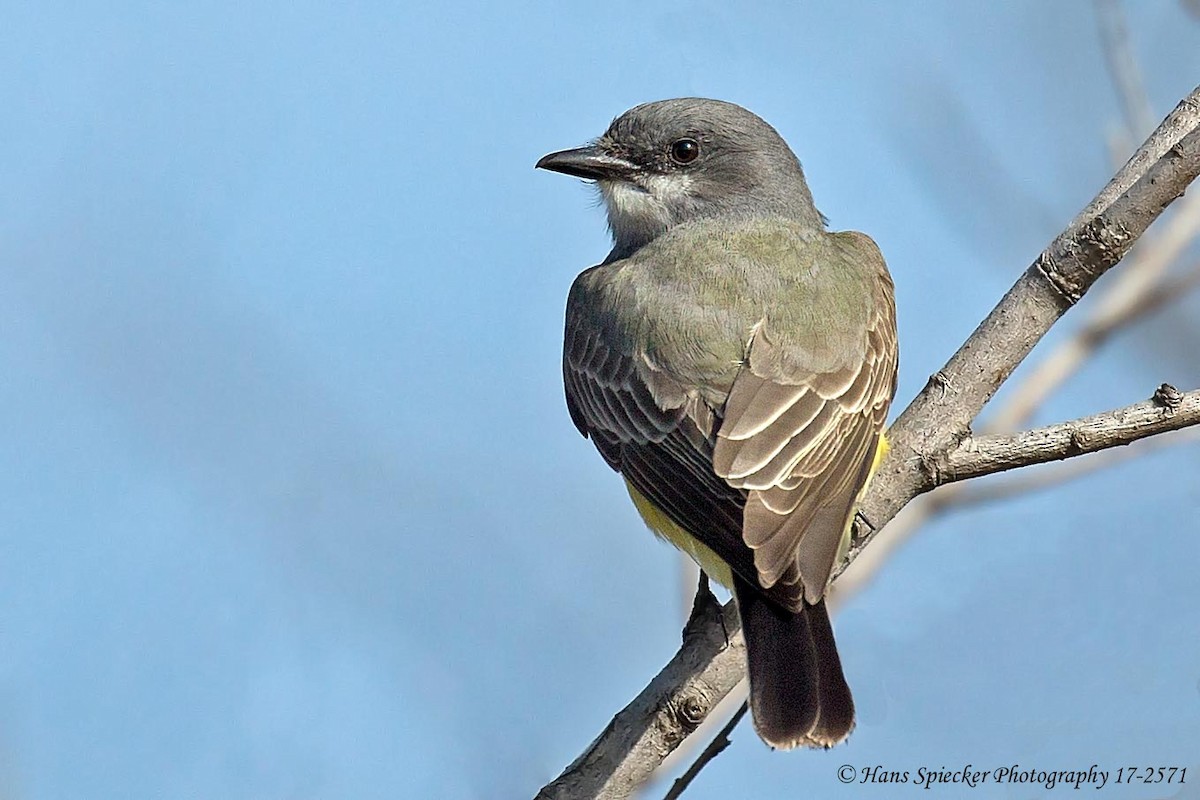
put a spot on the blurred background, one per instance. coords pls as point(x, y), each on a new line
point(290, 503)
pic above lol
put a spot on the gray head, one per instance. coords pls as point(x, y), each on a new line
point(673, 161)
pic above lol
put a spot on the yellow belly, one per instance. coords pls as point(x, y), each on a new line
point(664, 528)
point(712, 564)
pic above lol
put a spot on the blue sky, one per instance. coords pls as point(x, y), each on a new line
point(290, 504)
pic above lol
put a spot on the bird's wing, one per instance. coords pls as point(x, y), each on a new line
point(649, 427)
point(801, 442)
point(768, 478)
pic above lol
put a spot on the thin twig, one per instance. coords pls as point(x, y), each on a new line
point(953, 496)
point(714, 749)
point(1024, 483)
point(986, 455)
point(1123, 68)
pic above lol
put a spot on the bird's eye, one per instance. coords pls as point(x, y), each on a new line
point(685, 151)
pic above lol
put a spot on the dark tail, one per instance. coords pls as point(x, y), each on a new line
point(798, 695)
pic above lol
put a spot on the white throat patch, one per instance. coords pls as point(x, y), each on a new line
point(641, 212)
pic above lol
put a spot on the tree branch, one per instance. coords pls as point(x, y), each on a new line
point(959, 495)
point(935, 423)
point(707, 667)
point(985, 455)
point(1139, 289)
point(940, 416)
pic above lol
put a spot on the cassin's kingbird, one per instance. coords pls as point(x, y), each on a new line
point(735, 362)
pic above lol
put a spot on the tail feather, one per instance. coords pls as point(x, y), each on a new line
point(798, 695)
point(836, 719)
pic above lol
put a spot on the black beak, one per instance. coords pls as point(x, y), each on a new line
point(588, 162)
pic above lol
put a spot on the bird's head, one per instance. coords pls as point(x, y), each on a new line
point(673, 161)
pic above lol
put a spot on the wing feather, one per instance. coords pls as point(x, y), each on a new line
point(801, 443)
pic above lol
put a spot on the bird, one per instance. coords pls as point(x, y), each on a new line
point(735, 361)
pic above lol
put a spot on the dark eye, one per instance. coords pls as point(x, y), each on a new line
point(685, 151)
